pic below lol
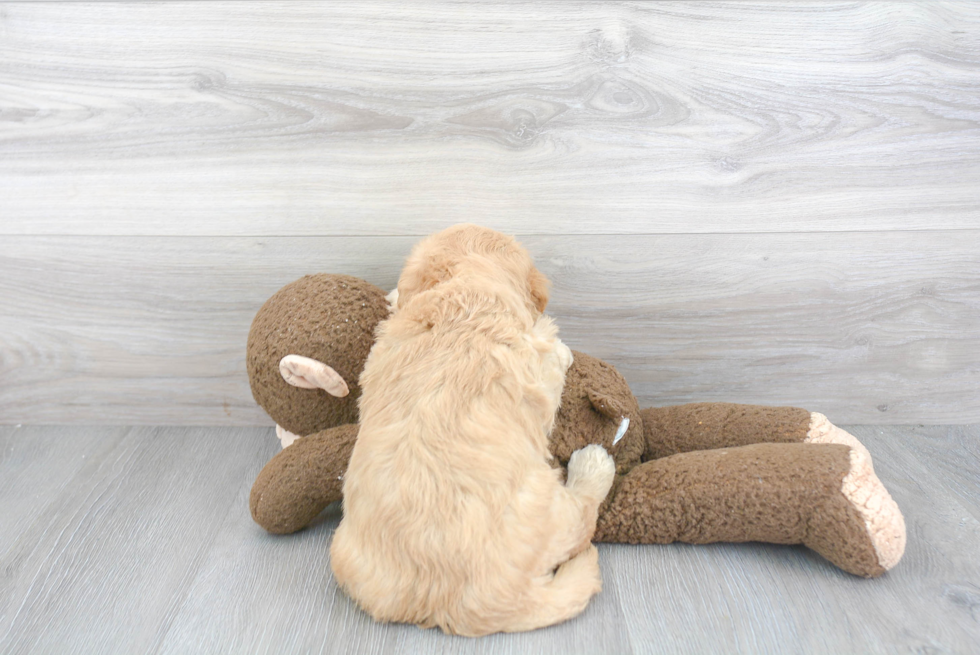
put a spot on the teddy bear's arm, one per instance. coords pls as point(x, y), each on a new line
point(302, 479)
point(703, 426)
point(825, 496)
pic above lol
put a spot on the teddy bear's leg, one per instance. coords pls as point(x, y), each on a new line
point(825, 496)
point(703, 426)
point(301, 480)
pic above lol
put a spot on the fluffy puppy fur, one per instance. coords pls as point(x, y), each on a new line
point(453, 516)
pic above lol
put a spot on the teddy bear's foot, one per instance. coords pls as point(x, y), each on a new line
point(824, 496)
point(862, 531)
point(822, 430)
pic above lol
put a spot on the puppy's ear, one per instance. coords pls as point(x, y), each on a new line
point(540, 289)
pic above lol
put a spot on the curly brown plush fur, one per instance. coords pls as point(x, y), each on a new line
point(698, 473)
point(329, 318)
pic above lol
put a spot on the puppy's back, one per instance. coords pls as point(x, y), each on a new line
point(446, 496)
point(450, 506)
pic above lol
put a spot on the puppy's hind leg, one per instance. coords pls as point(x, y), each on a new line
point(576, 505)
point(563, 596)
point(559, 597)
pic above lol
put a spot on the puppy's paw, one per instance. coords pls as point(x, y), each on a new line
point(591, 471)
point(392, 299)
point(564, 355)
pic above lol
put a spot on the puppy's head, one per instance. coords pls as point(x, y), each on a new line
point(474, 251)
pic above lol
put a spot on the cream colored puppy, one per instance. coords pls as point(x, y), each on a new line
point(452, 515)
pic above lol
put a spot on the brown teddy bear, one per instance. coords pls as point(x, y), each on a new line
point(698, 473)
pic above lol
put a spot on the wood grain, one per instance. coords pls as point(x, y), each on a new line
point(858, 326)
point(248, 118)
point(950, 453)
point(39, 469)
point(770, 599)
point(289, 602)
point(104, 565)
point(148, 547)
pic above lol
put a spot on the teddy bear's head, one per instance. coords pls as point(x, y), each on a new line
point(597, 407)
point(328, 318)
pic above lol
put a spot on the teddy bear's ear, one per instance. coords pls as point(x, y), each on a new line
point(606, 405)
point(307, 373)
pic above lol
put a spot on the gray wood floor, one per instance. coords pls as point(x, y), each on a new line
point(139, 540)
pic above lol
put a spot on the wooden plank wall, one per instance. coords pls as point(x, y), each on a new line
point(773, 203)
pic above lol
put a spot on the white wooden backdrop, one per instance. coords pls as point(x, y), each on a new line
point(773, 203)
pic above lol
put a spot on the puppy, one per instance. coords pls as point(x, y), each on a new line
point(453, 516)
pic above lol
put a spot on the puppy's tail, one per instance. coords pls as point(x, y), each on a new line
point(564, 596)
